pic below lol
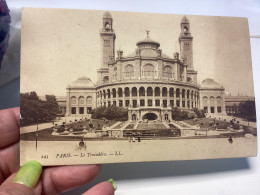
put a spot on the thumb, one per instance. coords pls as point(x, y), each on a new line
point(24, 181)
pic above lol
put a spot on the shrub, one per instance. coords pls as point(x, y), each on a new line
point(199, 113)
point(110, 113)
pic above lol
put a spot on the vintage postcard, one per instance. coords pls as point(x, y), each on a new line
point(110, 87)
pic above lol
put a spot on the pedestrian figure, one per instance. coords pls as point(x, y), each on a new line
point(81, 143)
point(230, 140)
point(139, 138)
point(91, 125)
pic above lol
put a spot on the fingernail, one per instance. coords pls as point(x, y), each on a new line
point(29, 174)
point(113, 183)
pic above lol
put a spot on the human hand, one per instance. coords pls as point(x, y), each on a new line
point(53, 180)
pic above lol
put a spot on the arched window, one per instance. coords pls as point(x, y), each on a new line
point(129, 70)
point(89, 100)
point(100, 94)
point(183, 93)
point(104, 93)
point(212, 101)
point(108, 93)
point(114, 92)
point(205, 101)
point(164, 92)
point(219, 103)
point(120, 92)
point(171, 92)
point(188, 94)
point(73, 100)
point(115, 73)
point(105, 79)
point(134, 91)
point(141, 91)
point(189, 80)
point(157, 91)
point(177, 92)
point(107, 25)
point(168, 72)
point(148, 70)
point(81, 100)
point(149, 91)
point(127, 92)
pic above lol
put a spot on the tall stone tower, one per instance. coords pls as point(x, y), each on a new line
point(185, 40)
point(107, 38)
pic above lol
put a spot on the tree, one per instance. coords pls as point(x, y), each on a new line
point(199, 113)
point(52, 107)
point(247, 110)
point(99, 112)
point(34, 110)
point(178, 114)
point(111, 113)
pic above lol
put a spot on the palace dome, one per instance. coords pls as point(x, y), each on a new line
point(148, 43)
point(210, 84)
point(148, 48)
point(82, 82)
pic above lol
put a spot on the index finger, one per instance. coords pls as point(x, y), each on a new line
point(9, 126)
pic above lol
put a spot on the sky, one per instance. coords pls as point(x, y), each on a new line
point(58, 46)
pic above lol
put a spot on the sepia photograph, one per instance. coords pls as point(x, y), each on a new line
point(103, 86)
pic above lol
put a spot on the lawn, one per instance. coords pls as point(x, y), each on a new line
point(45, 134)
point(150, 126)
point(220, 124)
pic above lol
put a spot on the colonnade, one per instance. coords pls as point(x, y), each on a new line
point(149, 96)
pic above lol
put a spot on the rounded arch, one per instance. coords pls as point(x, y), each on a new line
point(167, 71)
point(105, 79)
point(89, 100)
point(129, 70)
point(186, 29)
point(189, 80)
point(100, 94)
point(212, 101)
point(113, 92)
point(120, 92)
point(148, 70)
point(171, 92)
point(104, 93)
point(205, 101)
point(192, 93)
point(188, 94)
point(134, 91)
point(73, 100)
point(127, 92)
point(81, 100)
point(183, 93)
point(219, 101)
point(108, 93)
point(164, 92)
point(141, 91)
point(177, 92)
point(107, 25)
point(115, 73)
point(149, 91)
point(150, 116)
point(157, 91)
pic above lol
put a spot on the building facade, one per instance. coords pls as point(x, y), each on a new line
point(147, 82)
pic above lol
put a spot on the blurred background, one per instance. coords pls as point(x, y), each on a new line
point(221, 176)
